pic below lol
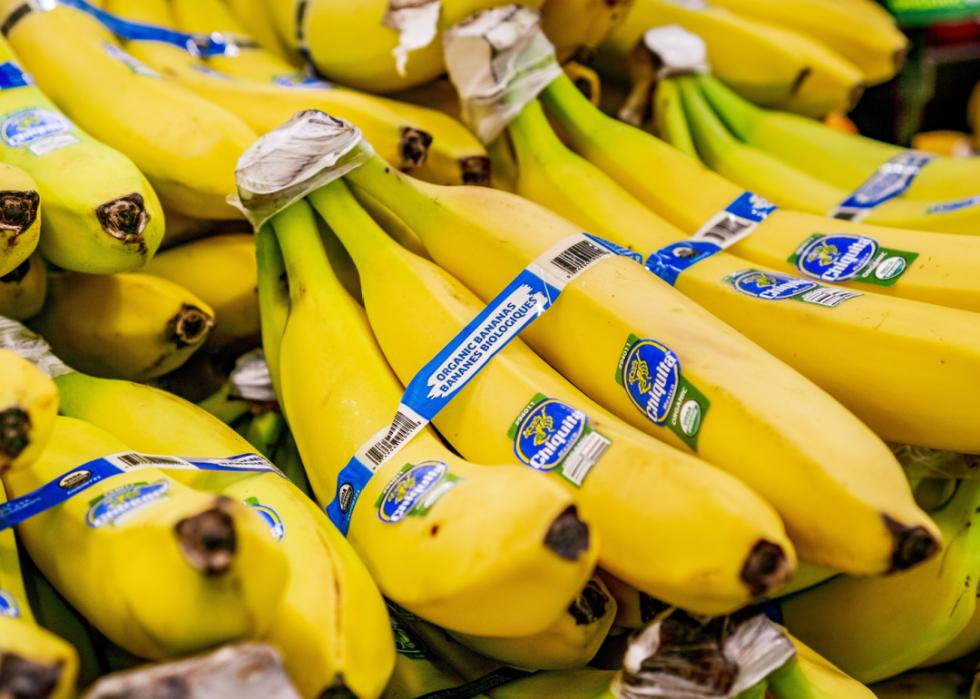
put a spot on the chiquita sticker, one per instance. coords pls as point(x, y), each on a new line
point(842, 257)
point(269, 516)
point(547, 433)
point(8, 605)
point(414, 490)
point(651, 376)
point(117, 505)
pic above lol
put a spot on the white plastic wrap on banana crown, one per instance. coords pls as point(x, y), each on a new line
point(250, 379)
point(750, 648)
point(313, 149)
point(417, 22)
point(16, 338)
point(680, 52)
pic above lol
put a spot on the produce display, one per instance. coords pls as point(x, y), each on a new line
point(459, 349)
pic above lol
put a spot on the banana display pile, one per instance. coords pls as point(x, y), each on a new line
point(458, 348)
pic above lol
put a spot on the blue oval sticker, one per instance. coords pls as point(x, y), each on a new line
point(651, 374)
point(402, 494)
point(836, 258)
point(771, 286)
point(547, 433)
point(8, 605)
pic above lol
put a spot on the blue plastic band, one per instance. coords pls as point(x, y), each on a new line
point(78, 480)
point(891, 180)
point(203, 45)
point(726, 228)
point(521, 302)
point(12, 76)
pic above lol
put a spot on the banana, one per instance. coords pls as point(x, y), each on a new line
point(28, 406)
point(220, 271)
point(809, 676)
point(147, 326)
point(684, 188)
point(926, 685)
point(157, 567)
point(416, 672)
point(576, 25)
point(766, 64)
point(22, 291)
point(185, 145)
point(840, 159)
point(431, 144)
point(792, 187)
point(874, 628)
point(20, 217)
point(527, 553)
point(878, 48)
point(945, 142)
point(331, 624)
point(965, 643)
point(669, 120)
point(714, 568)
point(486, 237)
point(355, 42)
point(571, 642)
point(108, 220)
point(273, 289)
point(256, 17)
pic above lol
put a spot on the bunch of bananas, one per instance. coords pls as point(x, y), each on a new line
point(458, 348)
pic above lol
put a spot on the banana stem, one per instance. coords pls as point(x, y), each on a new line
point(740, 115)
point(361, 236)
point(531, 133)
point(299, 241)
point(273, 299)
point(710, 134)
point(571, 107)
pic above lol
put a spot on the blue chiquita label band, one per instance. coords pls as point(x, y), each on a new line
point(841, 257)
point(550, 435)
point(107, 510)
point(13, 76)
point(891, 180)
point(651, 374)
point(773, 286)
point(726, 228)
point(955, 205)
point(270, 516)
point(521, 302)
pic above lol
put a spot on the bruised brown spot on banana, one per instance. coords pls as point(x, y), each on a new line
point(208, 539)
point(21, 678)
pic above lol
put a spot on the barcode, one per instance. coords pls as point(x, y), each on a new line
point(578, 256)
point(134, 459)
point(584, 456)
point(826, 296)
point(846, 214)
point(401, 430)
point(725, 230)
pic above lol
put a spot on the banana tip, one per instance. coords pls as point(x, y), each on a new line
point(26, 679)
point(124, 218)
point(15, 430)
point(590, 605)
point(190, 326)
point(568, 536)
point(337, 690)
point(208, 539)
point(911, 544)
point(766, 568)
point(18, 210)
point(414, 146)
point(475, 170)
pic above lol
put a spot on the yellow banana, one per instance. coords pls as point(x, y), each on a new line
point(431, 144)
point(331, 624)
point(157, 567)
point(185, 145)
point(686, 188)
point(256, 17)
point(490, 551)
point(220, 271)
point(518, 405)
point(767, 64)
point(809, 676)
point(181, 228)
point(107, 220)
point(485, 237)
point(417, 671)
point(20, 217)
point(28, 406)
point(352, 42)
point(787, 185)
point(147, 326)
point(574, 25)
point(22, 291)
point(945, 142)
point(854, 622)
point(571, 642)
point(841, 159)
point(35, 663)
point(878, 48)
point(964, 644)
